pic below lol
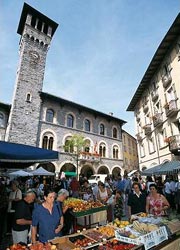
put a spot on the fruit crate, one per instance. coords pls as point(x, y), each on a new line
point(82, 241)
point(88, 212)
point(149, 240)
point(100, 233)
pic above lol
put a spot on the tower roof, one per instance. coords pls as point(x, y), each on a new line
point(27, 9)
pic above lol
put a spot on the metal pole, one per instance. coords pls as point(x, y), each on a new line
point(77, 164)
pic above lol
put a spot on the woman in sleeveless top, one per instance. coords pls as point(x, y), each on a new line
point(156, 203)
point(103, 193)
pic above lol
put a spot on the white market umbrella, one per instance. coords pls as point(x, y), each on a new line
point(42, 171)
point(20, 173)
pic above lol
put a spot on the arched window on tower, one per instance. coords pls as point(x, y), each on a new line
point(47, 142)
point(114, 132)
point(70, 121)
point(87, 125)
point(102, 129)
point(2, 120)
point(115, 152)
point(49, 115)
point(28, 97)
point(102, 150)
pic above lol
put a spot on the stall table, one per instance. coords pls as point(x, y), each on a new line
point(86, 215)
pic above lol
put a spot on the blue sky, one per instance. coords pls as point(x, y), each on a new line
point(99, 52)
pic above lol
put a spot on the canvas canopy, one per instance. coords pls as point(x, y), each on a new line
point(42, 171)
point(163, 169)
point(20, 173)
point(70, 173)
point(19, 155)
point(132, 172)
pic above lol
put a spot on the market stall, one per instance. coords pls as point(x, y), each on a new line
point(14, 155)
point(86, 214)
point(143, 233)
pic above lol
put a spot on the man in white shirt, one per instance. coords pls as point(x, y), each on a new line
point(167, 190)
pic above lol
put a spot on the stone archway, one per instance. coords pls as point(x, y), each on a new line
point(117, 171)
point(103, 170)
point(48, 166)
point(87, 171)
point(68, 167)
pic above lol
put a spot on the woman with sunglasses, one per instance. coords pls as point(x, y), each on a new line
point(156, 203)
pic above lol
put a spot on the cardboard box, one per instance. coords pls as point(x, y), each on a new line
point(63, 243)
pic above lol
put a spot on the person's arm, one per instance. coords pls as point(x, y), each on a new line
point(165, 202)
point(23, 222)
point(147, 205)
point(98, 196)
point(33, 234)
point(129, 211)
point(18, 195)
point(65, 208)
point(109, 193)
point(60, 226)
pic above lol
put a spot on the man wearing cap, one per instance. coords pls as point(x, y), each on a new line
point(23, 218)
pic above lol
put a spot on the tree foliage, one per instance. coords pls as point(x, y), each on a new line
point(76, 144)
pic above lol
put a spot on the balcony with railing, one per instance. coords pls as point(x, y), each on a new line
point(166, 79)
point(171, 108)
point(145, 107)
point(157, 120)
point(154, 95)
point(90, 157)
point(139, 137)
point(174, 144)
point(138, 118)
point(147, 129)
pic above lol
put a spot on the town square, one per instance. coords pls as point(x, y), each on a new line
point(90, 125)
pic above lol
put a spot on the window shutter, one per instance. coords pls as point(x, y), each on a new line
point(174, 91)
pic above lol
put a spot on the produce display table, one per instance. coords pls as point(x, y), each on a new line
point(87, 217)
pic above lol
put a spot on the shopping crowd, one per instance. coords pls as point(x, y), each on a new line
point(33, 210)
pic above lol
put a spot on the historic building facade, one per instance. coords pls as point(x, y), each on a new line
point(4, 115)
point(130, 153)
point(40, 119)
point(156, 103)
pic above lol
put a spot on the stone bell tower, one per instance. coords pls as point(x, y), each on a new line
point(36, 32)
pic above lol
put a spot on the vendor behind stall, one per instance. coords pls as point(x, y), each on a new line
point(85, 191)
point(156, 203)
point(136, 200)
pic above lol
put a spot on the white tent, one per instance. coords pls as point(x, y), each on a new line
point(132, 172)
point(42, 171)
point(20, 173)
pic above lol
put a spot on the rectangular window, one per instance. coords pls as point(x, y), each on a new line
point(161, 138)
point(170, 95)
point(151, 145)
point(142, 150)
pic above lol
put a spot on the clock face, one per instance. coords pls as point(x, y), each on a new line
point(34, 56)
